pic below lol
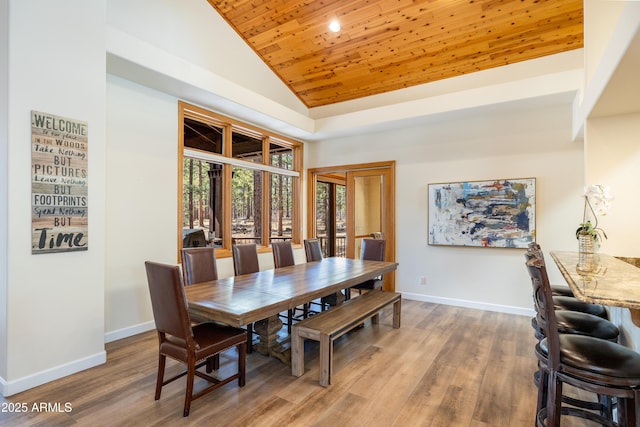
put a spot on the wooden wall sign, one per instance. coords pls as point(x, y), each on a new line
point(59, 206)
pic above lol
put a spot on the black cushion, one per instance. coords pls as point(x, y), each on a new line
point(574, 304)
point(597, 356)
point(564, 291)
point(575, 322)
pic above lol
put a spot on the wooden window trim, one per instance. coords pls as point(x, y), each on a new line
point(228, 124)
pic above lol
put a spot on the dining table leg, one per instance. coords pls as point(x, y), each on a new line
point(270, 343)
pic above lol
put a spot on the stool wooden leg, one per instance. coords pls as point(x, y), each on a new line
point(554, 400)
point(543, 380)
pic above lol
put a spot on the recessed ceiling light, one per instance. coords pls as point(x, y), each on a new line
point(334, 26)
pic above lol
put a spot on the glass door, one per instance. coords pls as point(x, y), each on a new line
point(369, 192)
point(367, 197)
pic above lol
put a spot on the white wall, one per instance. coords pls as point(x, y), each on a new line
point(612, 151)
point(600, 18)
point(4, 178)
point(142, 202)
point(516, 144)
point(141, 198)
point(613, 158)
point(54, 302)
point(194, 31)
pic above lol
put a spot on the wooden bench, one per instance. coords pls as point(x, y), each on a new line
point(332, 324)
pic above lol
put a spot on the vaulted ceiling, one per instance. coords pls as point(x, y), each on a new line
point(385, 45)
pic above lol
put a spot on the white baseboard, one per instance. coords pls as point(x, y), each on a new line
point(470, 304)
point(9, 388)
point(129, 331)
point(12, 387)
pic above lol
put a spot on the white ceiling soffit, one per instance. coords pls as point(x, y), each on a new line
point(549, 80)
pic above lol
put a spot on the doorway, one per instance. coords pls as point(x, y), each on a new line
point(350, 202)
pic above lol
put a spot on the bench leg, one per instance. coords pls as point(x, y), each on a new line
point(396, 314)
point(297, 354)
point(326, 359)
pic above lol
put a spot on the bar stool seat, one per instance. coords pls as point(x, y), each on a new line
point(564, 291)
point(598, 357)
point(574, 304)
point(578, 323)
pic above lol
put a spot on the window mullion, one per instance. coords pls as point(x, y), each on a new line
point(266, 193)
point(227, 170)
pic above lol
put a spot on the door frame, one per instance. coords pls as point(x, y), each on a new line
point(389, 205)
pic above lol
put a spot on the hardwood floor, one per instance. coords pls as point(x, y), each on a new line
point(446, 366)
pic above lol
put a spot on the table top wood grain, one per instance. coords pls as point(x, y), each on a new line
point(245, 299)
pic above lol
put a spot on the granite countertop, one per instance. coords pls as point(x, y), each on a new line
point(601, 278)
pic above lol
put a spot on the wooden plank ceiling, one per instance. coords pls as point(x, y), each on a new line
point(386, 45)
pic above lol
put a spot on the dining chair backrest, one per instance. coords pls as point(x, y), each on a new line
point(245, 259)
point(373, 249)
point(282, 254)
point(198, 265)
point(377, 235)
point(312, 250)
point(544, 306)
point(168, 302)
point(194, 239)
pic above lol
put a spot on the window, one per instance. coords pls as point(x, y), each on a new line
point(239, 184)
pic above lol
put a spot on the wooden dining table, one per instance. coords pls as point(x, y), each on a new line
point(258, 298)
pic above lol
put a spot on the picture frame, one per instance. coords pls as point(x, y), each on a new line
point(498, 213)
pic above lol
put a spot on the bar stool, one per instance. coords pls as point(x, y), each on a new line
point(602, 367)
point(563, 297)
point(571, 322)
point(564, 291)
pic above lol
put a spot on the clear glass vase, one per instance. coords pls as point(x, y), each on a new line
point(586, 244)
point(587, 258)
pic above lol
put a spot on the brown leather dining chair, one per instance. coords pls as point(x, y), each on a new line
point(198, 265)
point(372, 250)
point(245, 259)
point(313, 252)
point(193, 345)
point(282, 254)
point(602, 367)
point(283, 257)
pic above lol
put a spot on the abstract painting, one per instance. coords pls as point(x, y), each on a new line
point(497, 213)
